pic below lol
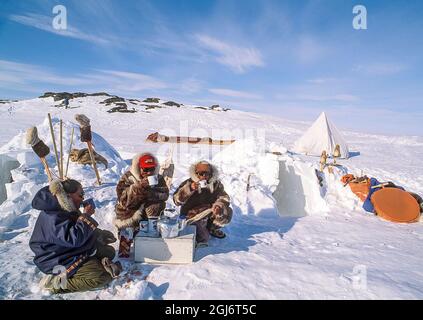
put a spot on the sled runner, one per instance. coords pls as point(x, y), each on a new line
point(159, 138)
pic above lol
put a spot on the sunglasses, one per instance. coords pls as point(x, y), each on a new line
point(148, 170)
point(203, 173)
point(82, 194)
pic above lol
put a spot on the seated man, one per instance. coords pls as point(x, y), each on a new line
point(69, 248)
point(203, 191)
point(138, 200)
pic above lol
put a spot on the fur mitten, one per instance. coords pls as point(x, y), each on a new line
point(39, 147)
point(86, 134)
point(83, 120)
point(32, 136)
point(223, 217)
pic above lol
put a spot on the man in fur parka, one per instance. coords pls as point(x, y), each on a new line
point(137, 200)
point(63, 237)
point(194, 200)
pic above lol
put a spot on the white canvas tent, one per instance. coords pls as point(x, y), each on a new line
point(322, 135)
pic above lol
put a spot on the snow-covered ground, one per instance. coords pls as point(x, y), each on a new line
point(320, 245)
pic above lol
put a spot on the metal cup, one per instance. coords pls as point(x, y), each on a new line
point(152, 227)
point(153, 180)
point(144, 226)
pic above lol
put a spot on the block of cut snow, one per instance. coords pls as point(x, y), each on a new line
point(298, 193)
point(29, 158)
point(7, 164)
point(179, 250)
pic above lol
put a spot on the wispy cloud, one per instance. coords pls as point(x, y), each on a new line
point(309, 50)
point(190, 85)
point(45, 23)
point(322, 80)
point(129, 81)
point(21, 73)
point(239, 59)
point(234, 93)
point(318, 98)
point(33, 78)
point(380, 69)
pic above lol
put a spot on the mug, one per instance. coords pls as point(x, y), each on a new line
point(152, 226)
point(144, 226)
point(89, 202)
point(153, 180)
point(203, 184)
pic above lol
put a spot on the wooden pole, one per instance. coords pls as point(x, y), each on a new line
point(70, 149)
point(61, 149)
point(54, 142)
point(94, 163)
point(46, 167)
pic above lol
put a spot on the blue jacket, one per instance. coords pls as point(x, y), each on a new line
point(60, 238)
point(368, 205)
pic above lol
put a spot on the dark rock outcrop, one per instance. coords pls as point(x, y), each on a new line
point(148, 107)
point(152, 100)
point(217, 107)
point(122, 108)
point(172, 104)
point(113, 100)
point(57, 96)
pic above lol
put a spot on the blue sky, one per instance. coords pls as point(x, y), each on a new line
point(293, 59)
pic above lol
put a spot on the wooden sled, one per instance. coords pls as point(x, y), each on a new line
point(159, 138)
point(396, 205)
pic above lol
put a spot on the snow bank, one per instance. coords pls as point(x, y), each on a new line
point(275, 182)
point(245, 164)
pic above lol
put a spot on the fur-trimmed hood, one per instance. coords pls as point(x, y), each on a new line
point(53, 198)
point(135, 169)
point(211, 181)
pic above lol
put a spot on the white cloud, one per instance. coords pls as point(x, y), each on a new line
point(239, 59)
point(45, 23)
point(22, 73)
point(32, 78)
point(128, 81)
point(234, 93)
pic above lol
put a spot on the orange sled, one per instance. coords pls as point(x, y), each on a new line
point(396, 205)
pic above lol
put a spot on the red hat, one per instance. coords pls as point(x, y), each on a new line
point(147, 161)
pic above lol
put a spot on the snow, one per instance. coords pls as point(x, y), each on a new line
point(7, 164)
point(289, 238)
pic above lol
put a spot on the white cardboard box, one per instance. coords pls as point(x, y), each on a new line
point(179, 250)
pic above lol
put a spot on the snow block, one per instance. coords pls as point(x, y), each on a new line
point(179, 250)
point(7, 164)
point(298, 193)
point(29, 158)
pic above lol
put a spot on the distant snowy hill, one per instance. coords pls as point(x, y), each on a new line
point(289, 238)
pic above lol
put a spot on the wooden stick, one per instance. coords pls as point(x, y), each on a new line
point(54, 142)
point(70, 149)
point(380, 185)
point(91, 152)
point(61, 148)
point(248, 182)
point(46, 167)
